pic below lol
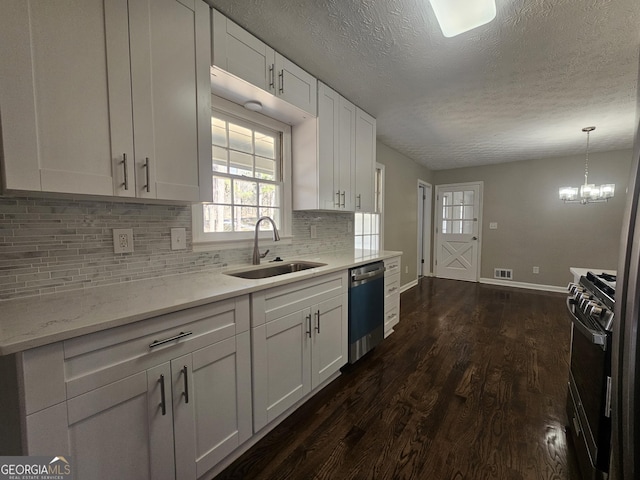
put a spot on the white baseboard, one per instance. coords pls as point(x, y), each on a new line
point(409, 285)
point(530, 286)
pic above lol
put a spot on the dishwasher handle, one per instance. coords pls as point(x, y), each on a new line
point(367, 276)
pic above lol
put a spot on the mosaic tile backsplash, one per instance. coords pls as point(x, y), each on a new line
point(53, 245)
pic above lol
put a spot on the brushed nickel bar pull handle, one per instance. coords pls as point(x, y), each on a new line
point(126, 174)
point(338, 196)
point(167, 340)
point(344, 195)
point(271, 76)
point(308, 317)
point(146, 166)
point(185, 372)
point(318, 321)
point(163, 402)
point(359, 197)
point(281, 77)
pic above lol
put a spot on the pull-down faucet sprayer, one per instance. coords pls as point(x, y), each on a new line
point(256, 251)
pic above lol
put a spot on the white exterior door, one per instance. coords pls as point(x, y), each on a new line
point(459, 210)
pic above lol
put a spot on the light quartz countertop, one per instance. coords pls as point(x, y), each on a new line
point(578, 272)
point(35, 321)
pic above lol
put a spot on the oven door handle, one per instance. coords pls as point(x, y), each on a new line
point(597, 338)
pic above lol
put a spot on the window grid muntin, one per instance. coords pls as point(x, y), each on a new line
point(233, 206)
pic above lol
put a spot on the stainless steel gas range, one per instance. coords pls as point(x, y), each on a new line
point(591, 306)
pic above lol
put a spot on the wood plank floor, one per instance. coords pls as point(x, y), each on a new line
point(472, 385)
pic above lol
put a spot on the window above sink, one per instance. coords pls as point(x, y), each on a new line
point(251, 175)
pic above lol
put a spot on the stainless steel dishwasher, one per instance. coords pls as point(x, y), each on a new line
point(366, 309)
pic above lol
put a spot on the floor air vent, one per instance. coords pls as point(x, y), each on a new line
point(503, 273)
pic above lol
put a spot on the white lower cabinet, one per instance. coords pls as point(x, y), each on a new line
point(299, 340)
point(123, 421)
point(178, 395)
point(391, 294)
point(138, 407)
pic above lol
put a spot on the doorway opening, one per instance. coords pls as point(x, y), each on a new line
point(424, 229)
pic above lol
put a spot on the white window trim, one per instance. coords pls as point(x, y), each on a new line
point(220, 241)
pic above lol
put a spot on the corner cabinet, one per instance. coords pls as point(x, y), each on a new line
point(299, 335)
point(168, 397)
point(238, 52)
point(112, 99)
point(334, 157)
point(391, 294)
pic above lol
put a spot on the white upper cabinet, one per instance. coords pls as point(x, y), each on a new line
point(239, 53)
point(334, 157)
point(296, 86)
point(365, 161)
point(109, 99)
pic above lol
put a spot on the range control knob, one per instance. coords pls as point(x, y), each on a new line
point(595, 310)
point(584, 299)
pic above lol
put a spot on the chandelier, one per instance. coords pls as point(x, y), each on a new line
point(587, 193)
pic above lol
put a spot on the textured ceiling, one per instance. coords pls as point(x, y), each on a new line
point(518, 88)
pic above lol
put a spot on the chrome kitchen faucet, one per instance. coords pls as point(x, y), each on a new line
point(256, 251)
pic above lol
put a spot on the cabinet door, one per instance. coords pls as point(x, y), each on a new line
point(281, 365)
point(330, 339)
point(119, 431)
point(240, 53)
point(365, 160)
point(329, 189)
point(220, 396)
point(296, 86)
point(347, 152)
point(65, 95)
point(170, 58)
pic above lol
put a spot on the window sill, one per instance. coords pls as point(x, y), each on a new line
point(205, 246)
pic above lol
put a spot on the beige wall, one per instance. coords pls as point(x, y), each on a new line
point(537, 229)
point(401, 206)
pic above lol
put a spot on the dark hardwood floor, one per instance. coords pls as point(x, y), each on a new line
point(472, 385)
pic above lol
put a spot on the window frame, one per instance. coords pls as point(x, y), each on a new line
point(221, 240)
point(378, 212)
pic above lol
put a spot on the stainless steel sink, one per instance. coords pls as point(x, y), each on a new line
point(276, 269)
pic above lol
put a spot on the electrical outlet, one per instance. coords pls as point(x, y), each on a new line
point(349, 226)
point(536, 269)
point(493, 225)
point(178, 239)
point(314, 231)
point(123, 240)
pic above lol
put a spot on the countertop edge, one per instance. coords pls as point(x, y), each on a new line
point(235, 287)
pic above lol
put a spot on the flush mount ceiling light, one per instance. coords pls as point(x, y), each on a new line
point(588, 193)
point(459, 16)
point(253, 105)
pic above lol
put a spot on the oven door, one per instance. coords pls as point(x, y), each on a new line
point(590, 382)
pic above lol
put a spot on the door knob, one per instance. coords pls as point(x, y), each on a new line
point(474, 238)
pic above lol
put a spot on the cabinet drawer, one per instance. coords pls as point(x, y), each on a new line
point(97, 359)
point(392, 266)
point(391, 285)
point(277, 302)
point(391, 316)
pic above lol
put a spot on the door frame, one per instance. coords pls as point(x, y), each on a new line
point(425, 228)
point(439, 188)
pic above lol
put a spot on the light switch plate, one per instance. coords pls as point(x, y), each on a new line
point(493, 225)
point(178, 239)
point(314, 231)
point(122, 240)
